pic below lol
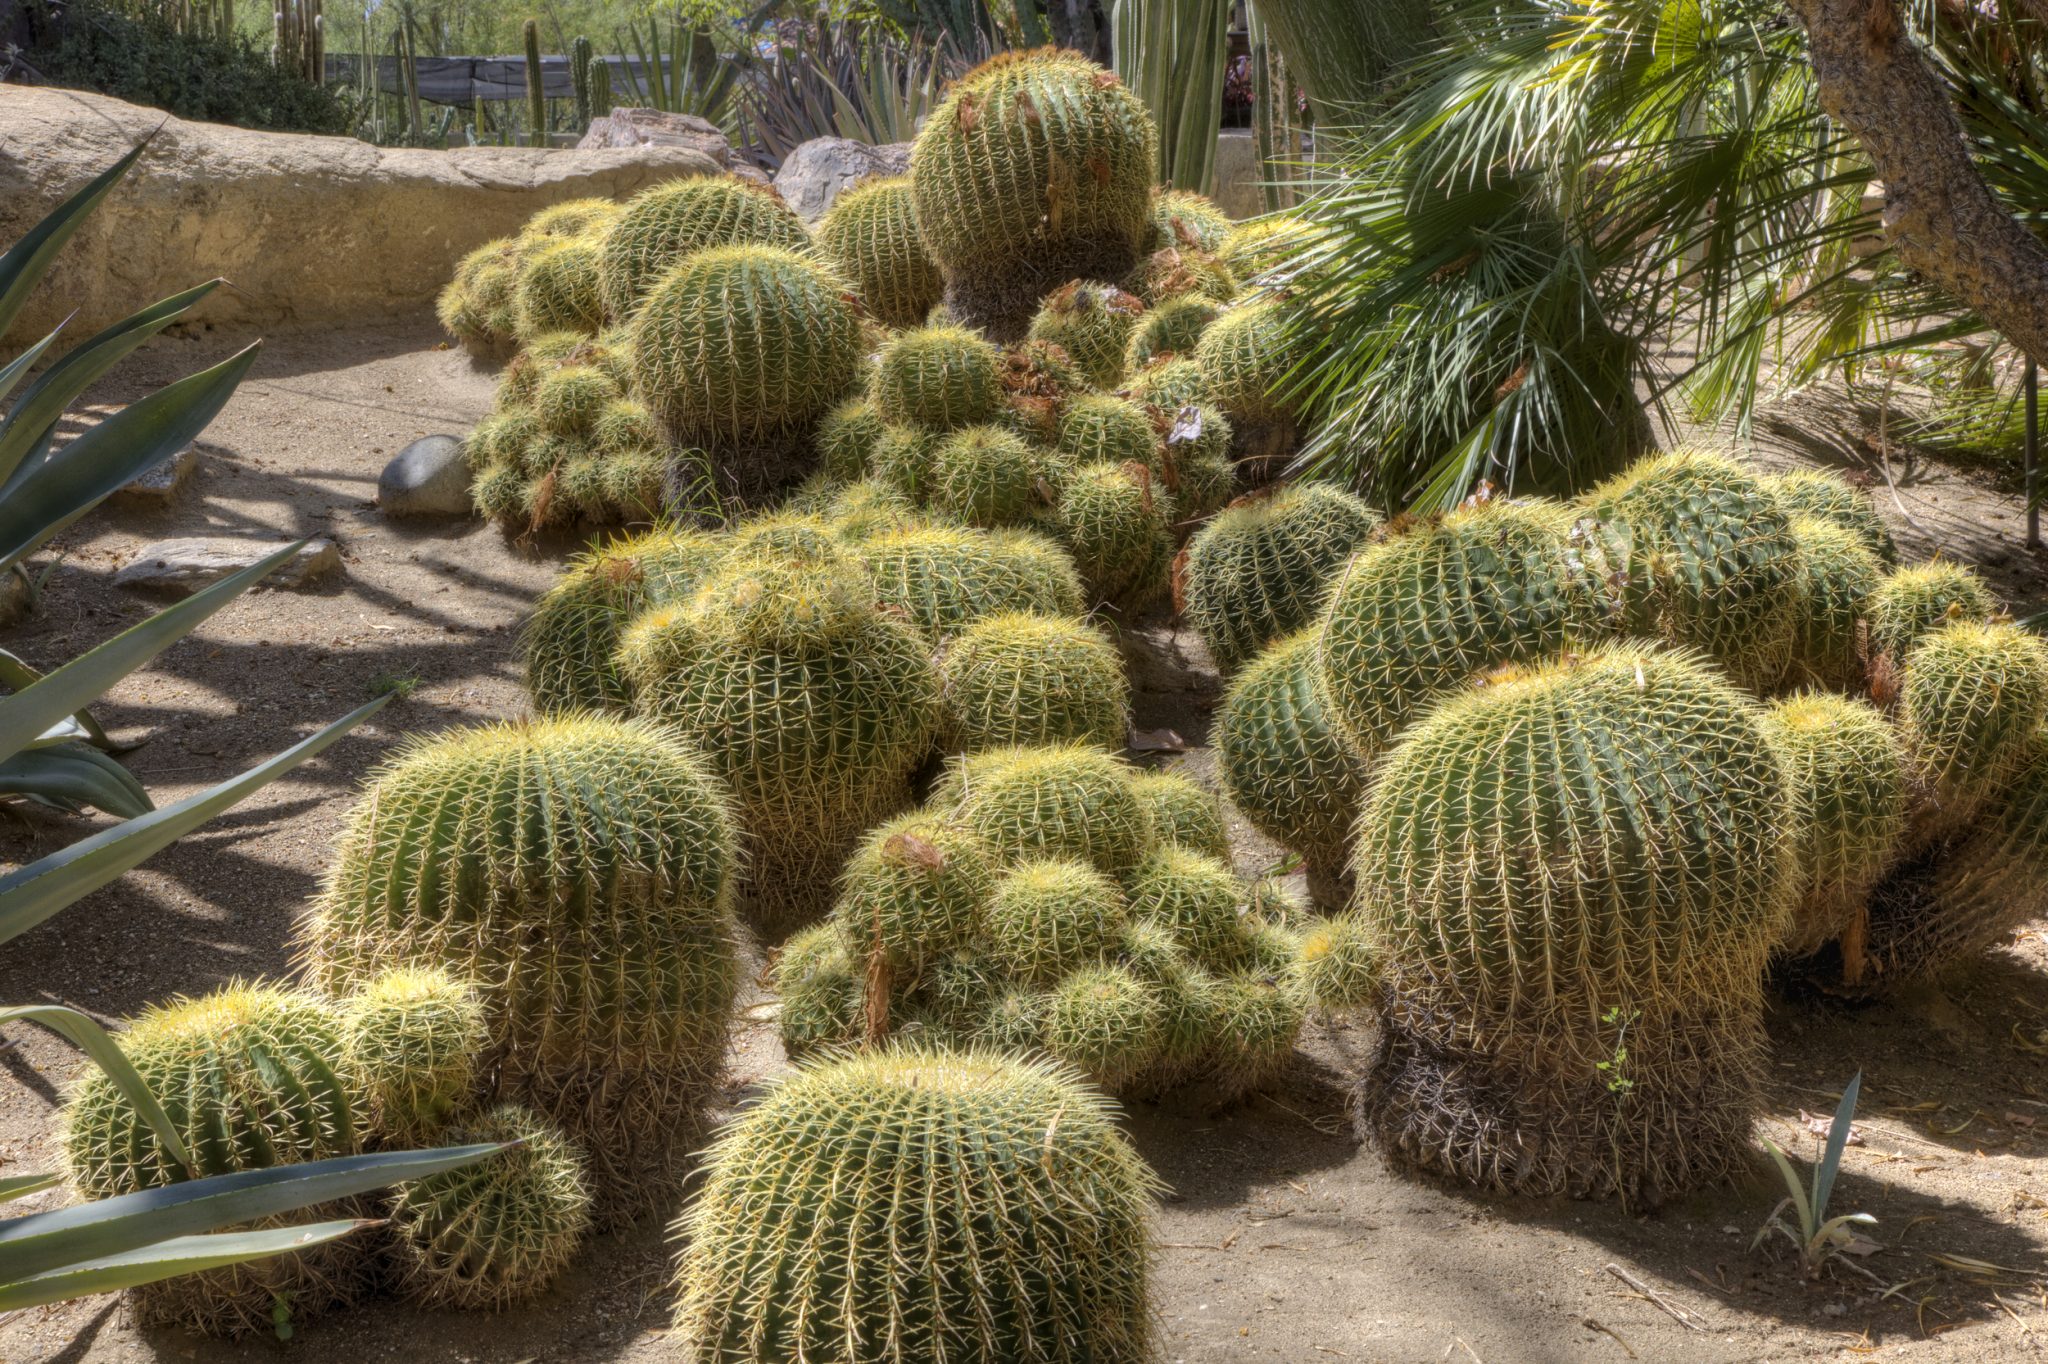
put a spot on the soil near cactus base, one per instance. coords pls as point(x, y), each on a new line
point(1283, 1238)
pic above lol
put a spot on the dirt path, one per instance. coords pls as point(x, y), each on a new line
point(1283, 1239)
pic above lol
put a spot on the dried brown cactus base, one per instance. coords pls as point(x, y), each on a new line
point(1002, 300)
point(1683, 1122)
point(245, 1299)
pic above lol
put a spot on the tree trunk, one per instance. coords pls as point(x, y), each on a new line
point(1938, 212)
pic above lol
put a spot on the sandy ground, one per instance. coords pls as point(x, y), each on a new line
point(1283, 1239)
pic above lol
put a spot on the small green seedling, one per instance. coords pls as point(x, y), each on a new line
point(1818, 1236)
point(1615, 1068)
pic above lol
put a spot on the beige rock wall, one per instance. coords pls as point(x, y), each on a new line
point(309, 230)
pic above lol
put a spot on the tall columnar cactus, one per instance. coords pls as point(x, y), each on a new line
point(944, 578)
point(1093, 323)
point(1705, 559)
point(536, 98)
point(662, 226)
point(1069, 801)
point(811, 701)
point(1439, 601)
point(576, 871)
point(1971, 700)
point(1118, 522)
point(571, 637)
point(1035, 170)
point(558, 290)
point(742, 347)
point(252, 1077)
point(1818, 493)
point(499, 1232)
point(1171, 328)
point(1919, 599)
point(799, 1247)
point(579, 78)
point(1102, 429)
point(1259, 571)
point(1965, 897)
point(1021, 678)
point(1286, 767)
point(1572, 877)
point(1848, 784)
point(937, 379)
point(1837, 574)
point(1184, 814)
point(412, 1038)
point(870, 234)
point(992, 477)
point(914, 890)
point(1246, 360)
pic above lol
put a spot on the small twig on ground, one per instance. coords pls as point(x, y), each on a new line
point(1690, 1321)
point(1611, 1334)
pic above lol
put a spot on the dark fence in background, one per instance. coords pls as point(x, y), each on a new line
point(464, 80)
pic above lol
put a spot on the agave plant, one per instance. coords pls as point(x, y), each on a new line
point(843, 78)
point(50, 749)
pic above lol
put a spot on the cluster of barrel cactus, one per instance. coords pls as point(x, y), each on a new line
point(1051, 899)
point(257, 1076)
point(1576, 774)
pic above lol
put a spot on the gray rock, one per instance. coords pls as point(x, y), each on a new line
point(630, 129)
point(182, 567)
point(159, 484)
point(427, 478)
point(818, 171)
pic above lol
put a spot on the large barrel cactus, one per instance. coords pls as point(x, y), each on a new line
point(1258, 571)
point(1437, 601)
point(1572, 877)
point(1286, 767)
point(741, 349)
point(870, 234)
point(1036, 170)
point(808, 699)
point(1705, 558)
point(576, 872)
point(1028, 1240)
point(665, 225)
point(252, 1077)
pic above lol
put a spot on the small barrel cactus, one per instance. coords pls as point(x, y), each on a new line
point(1334, 963)
point(1259, 570)
point(1184, 815)
point(1020, 678)
point(413, 1038)
point(571, 637)
point(576, 872)
point(1035, 170)
point(1178, 272)
point(1092, 323)
point(1848, 782)
point(1049, 916)
point(1570, 997)
point(1069, 801)
point(1705, 558)
point(799, 1247)
point(661, 227)
point(870, 234)
point(1436, 602)
point(1818, 493)
point(1252, 248)
point(252, 1077)
point(1169, 384)
point(1181, 217)
point(571, 219)
point(1246, 359)
point(558, 290)
point(744, 344)
point(1172, 328)
point(991, 477)
point(498, 1232)
point(914, 890)
point(1118, 522)
point(1196, 898)
point(1107, 1023)
point(937, 379)
point(477, 306)
point(820, 989)
point(1100, 429)
point(1971, 699)
point(1837, 574)
point(902, 457)
point(944, 579)
point(568, 401)
point(811, 702)
point(846, 439)
point(1910, 603)
point(1256, 1016)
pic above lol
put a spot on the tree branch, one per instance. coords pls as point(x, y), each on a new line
point(1939, 214)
